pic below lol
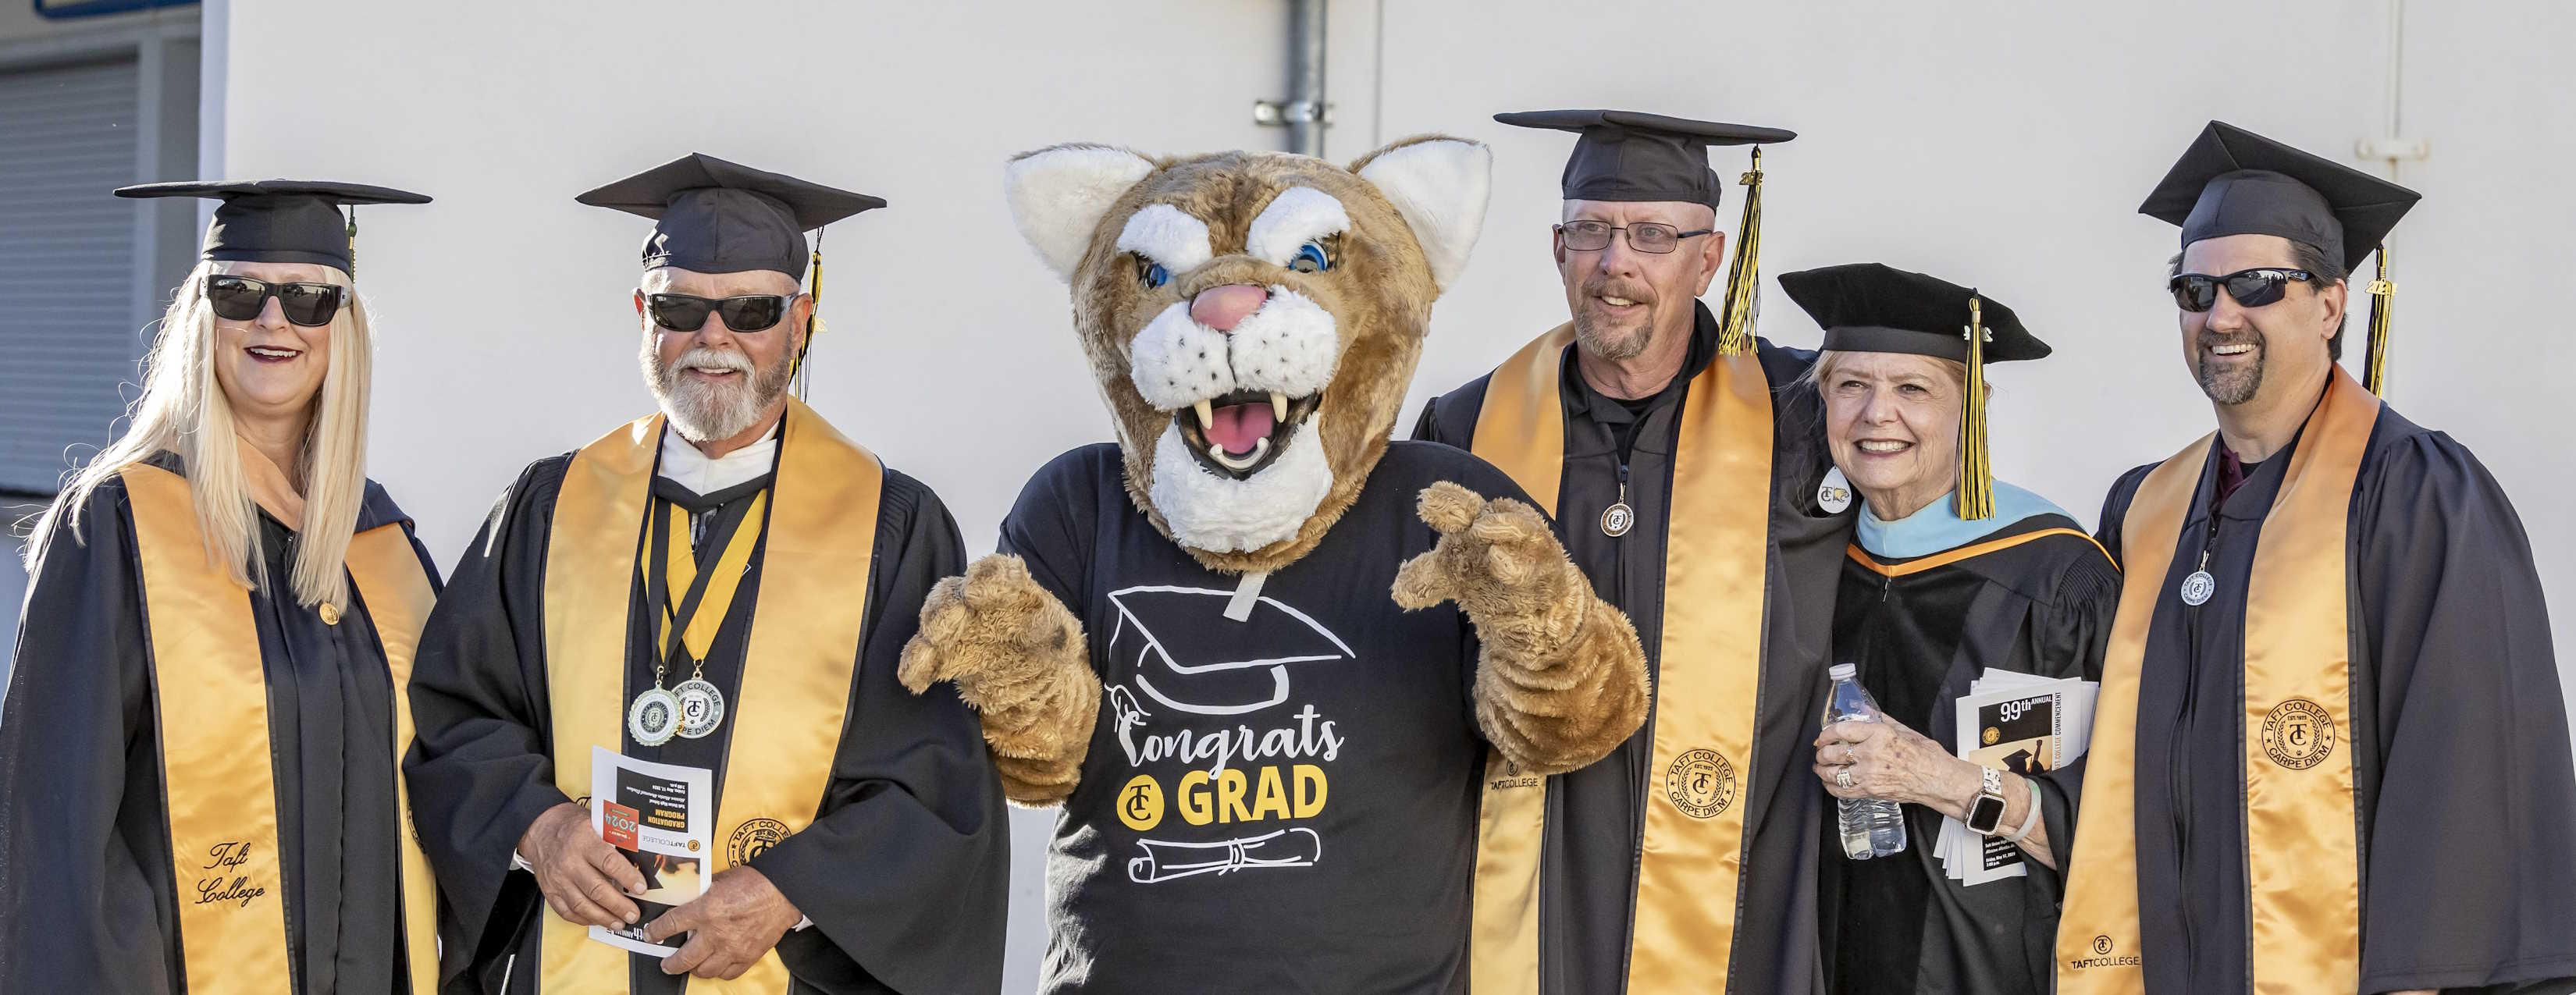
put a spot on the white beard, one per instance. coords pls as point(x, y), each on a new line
point(702, 411)
point(1224, 515)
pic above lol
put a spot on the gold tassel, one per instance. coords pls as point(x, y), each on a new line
point(1976, 498)
point(1743, 281)
point(2383, 299)
point(353, 240)
point(813, 319)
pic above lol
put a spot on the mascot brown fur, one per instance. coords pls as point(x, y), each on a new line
point(1253, 321)
point(1551, 701)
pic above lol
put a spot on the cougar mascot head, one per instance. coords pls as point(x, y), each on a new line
point(1253, 319)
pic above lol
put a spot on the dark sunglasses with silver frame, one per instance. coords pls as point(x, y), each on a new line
point(2198, 292)
point(240, 298)
point(688, 312)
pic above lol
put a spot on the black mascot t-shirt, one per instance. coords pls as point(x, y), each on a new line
point(1285, 803)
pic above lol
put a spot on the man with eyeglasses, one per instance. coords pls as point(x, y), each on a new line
point(1688, 490)
point(2330, 751)
point(725, 587)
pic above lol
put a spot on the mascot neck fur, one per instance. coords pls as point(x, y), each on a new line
point(1252, 319)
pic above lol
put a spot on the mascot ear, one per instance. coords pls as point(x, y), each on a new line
point(1439, 185)
point(1058, 194)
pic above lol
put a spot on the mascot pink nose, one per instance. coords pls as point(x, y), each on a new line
point(1222, 308)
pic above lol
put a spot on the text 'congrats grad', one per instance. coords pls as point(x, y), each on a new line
point(2331, 752)
point(726, 585)
point(1227, 642)
point(1682, 473)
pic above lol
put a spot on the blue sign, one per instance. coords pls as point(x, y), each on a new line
point(64, 10)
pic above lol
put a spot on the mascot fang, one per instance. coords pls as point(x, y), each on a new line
point(1256, 649)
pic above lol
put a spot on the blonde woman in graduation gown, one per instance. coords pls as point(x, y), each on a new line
point(198, 785)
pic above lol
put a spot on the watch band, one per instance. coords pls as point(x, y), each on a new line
point(2029, 821)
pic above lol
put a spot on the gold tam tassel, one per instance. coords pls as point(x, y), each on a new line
point(353, 240)
point(2383, 299)
point(1976, 498)
point(813, 319)
point(1743, 280)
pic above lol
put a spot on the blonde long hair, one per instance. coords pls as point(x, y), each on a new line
point(183, 410)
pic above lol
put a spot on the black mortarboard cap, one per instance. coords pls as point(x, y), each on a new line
point(278, 221)
point(1873, 307)
point(1632, 156)
point(714, 216)
point(2235, 182)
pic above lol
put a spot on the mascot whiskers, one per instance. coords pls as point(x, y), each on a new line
point(1254, 648)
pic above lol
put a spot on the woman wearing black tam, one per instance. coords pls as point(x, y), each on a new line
point(198, 788)
point(1953, 578)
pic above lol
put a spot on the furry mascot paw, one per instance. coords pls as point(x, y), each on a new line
point(1019, 659)
point(1562, 679)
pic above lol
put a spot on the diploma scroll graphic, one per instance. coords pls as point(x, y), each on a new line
point(1166, 860)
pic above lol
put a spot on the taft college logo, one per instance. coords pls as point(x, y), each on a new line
point(753, 838)
point(1700, 783)
point(2104, 956)
point(2298, 734)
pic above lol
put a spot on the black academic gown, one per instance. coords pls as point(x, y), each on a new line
point(1596, 816)
point(2467, 800)
point(904, 873)
point(87, 898)
point(2044, 607)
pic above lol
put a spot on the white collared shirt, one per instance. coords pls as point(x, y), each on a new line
point(684, 465)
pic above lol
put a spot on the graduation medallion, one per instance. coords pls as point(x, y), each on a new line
point(1835, 494)
point(702, 708)
point(1616, 519)
point(2197, 588)
point(653, 717)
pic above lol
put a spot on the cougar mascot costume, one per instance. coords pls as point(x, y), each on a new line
point(1256, 649)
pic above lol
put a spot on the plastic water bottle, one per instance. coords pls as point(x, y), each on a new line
point(1871, 827)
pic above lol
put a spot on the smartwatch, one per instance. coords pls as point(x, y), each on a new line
point(1986, 813)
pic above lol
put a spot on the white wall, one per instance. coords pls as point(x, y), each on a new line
point(1998, 144)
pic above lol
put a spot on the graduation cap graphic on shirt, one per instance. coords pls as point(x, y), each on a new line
point(1190, 656)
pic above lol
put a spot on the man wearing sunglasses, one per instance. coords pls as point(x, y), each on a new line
point(2330, 752)
point(726, 585)
point(1686, 488)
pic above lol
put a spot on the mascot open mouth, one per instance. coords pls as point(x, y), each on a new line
point(1242, 432)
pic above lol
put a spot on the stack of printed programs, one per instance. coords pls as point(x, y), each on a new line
point(2022, 723)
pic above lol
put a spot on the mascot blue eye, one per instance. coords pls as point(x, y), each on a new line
point(1152, 272)
point(1311, 258)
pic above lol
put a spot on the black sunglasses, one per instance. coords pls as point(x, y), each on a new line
point(686, 313)
point(1644, 236)
point(240, 298)
point(2197, 292)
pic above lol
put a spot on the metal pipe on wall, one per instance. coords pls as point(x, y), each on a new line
point(1305, 110)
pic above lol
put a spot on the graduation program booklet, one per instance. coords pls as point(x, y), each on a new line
point(2024, 724)
point(660, 817)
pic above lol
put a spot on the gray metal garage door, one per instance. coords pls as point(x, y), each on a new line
point(68, 332)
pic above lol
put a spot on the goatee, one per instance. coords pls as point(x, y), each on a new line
point(2234, 383)
point(702, 410)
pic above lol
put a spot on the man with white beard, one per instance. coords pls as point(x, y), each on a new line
point(615, 600)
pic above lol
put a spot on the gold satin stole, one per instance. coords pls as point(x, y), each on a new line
point(2302, 864)
point(1707, 685)
point(222, 795)
point(785, 722)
